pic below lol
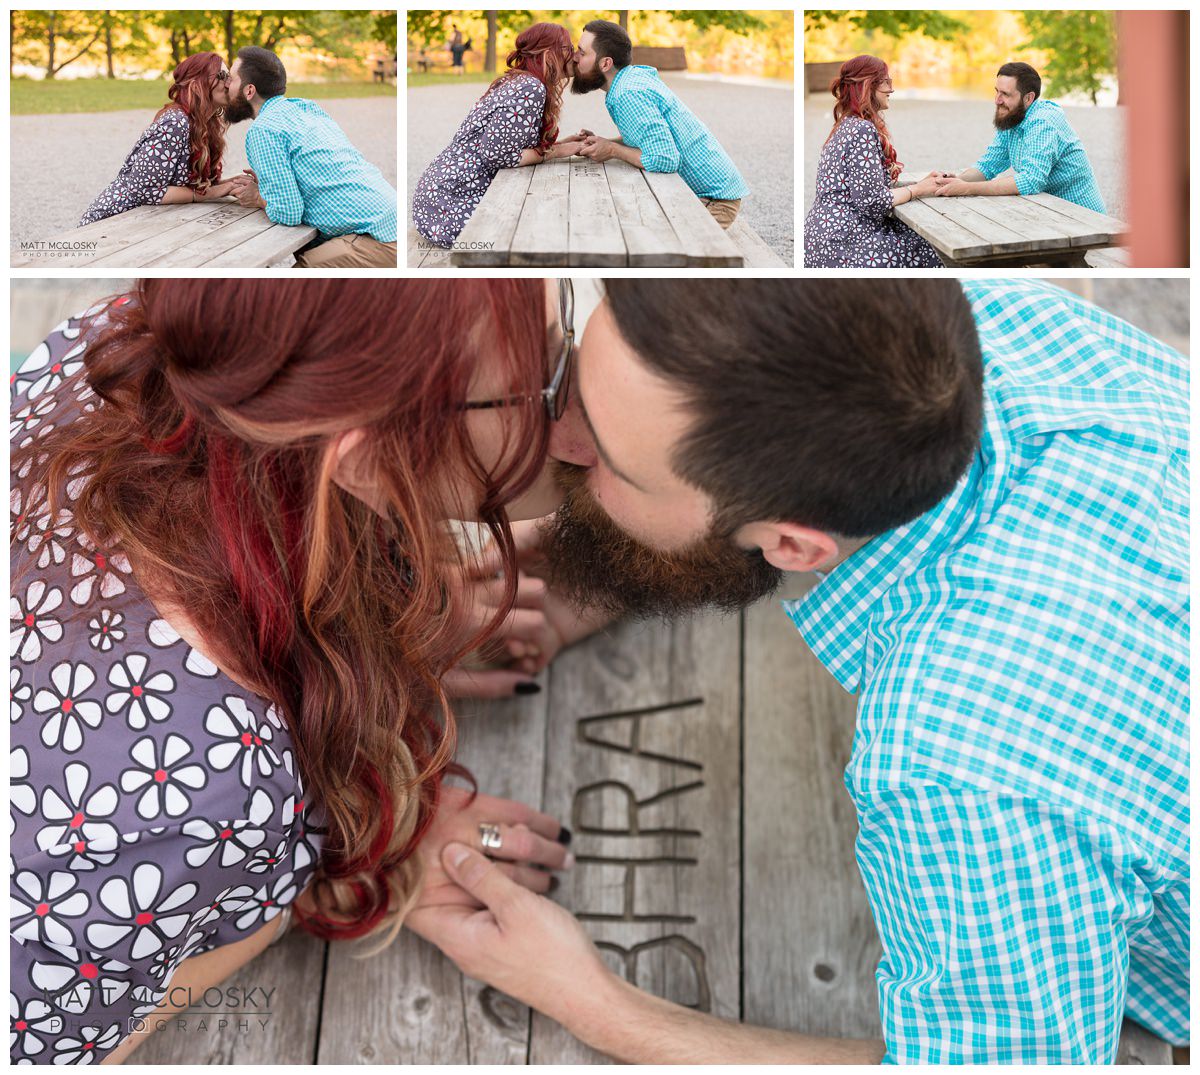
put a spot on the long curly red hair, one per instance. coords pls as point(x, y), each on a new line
point(192, 93)
point(543, 50)
point(854, 88)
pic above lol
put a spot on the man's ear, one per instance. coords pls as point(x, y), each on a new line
point(789, 546)
point(603, 61)
point(1032, 97)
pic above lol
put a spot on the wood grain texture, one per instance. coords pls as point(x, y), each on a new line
point(755, 253)
point(293, 969)
point(276, 244)
point(643, 753)
point(649, 237)
point(594, 230)
point(409, 1004)
point(488, 235)
point(810, 943)
point(705, 243)
point(542, 235)
point(1139, 1046)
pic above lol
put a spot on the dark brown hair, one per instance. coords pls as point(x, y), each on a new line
point(847, 405)
point(611, 41)
point(263, 70)
point(1028, 80)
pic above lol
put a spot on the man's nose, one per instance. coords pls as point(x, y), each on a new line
point(570, 439)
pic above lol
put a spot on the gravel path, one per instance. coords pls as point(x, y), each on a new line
point(952, 135)
point(753, 122)
point(60, 163)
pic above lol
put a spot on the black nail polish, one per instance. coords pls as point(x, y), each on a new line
point(527, 686)
point(553, 884)
point(564, 835)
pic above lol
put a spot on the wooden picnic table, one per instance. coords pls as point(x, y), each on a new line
point(1009, 230)
point(213, 235)
point(699, 765)
point(575, 211)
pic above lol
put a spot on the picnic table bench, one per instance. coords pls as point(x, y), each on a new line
point(1009, 230)
point(214, 235)
point(699, 765)
point(575, 211)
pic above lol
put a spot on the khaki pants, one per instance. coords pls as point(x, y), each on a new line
point(348, 252)
point(723, 211)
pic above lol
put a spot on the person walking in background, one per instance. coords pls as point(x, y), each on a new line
point(658, 132)
point(177, 159)
point(457, 48)
point(303, 170)
point(514, 123)
point(851, 225)
point(1034, 139)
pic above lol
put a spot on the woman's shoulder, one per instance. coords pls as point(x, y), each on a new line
point(523, 83)
point(173, 119)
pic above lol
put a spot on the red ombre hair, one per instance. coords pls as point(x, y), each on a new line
point(211, 465)
point(854, 88)
point(543, 50)
point(192, 92)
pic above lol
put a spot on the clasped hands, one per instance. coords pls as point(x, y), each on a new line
point(591, 145)
point(244, 187)
point(940, 185)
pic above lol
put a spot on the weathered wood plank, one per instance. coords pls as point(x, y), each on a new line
point(704, 242)
point(1102, 224)
point(997, 236)
point(486, 239)
point(1042, 229)
point(810, 943)
point(1139, 1046)
point(594, 230)
point(409, 1004)
point(942, 234)
point(214, 219)
point(542, 235)
point(112, 233)
point(265, 248)
point(643, 753)
point(649, 237)
point(756, 253)
point(279, 1029)
point(203, 248)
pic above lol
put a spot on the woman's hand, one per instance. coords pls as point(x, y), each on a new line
point(512, 939)
point(924, 188)
point(217, 190)
point(528, 840)
point(567, 148)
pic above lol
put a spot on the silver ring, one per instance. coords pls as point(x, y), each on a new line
point(489, 836)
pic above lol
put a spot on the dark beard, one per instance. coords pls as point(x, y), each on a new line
point(238, 109)
point(595, 564)
point(587, 83)
point(1007, 123)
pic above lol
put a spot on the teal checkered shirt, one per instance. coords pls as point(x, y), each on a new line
point(309, 173)
point(1045, 154)
point(651, 118)
point(1020, 652)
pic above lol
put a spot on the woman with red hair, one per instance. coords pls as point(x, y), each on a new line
point(236, 598)
point(178, 157)
point(514, 123)
point(851, 225)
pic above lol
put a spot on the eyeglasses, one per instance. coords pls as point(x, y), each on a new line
point(554, 396)
point(222, 76)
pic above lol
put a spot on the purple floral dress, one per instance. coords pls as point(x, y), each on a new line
point(501, 123)
point(156, 807)
point(160, 158)
point(850, 225)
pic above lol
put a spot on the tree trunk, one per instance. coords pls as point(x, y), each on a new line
point(175, 56)
point(623, 20)
point(108, 45)
point(51, 27)
point(230, 42)
point(489, 57)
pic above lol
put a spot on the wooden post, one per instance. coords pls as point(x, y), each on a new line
point(489, 56)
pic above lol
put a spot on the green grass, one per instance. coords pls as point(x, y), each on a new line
point(32, 97)
point(438, 79)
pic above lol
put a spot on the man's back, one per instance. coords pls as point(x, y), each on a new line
point(304, 159)
point(1020, 766)
point(653, 119)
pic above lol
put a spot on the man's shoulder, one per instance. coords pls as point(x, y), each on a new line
point(637, 79)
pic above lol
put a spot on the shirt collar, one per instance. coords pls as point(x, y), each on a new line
point(833, 617)
point(618, 76)
point(270, 103)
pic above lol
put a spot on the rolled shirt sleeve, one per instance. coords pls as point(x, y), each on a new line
point(995, 157)
point(643, 127)
point(1004, 924)
point(267, 152)
point(866, 180)
point(515, 123)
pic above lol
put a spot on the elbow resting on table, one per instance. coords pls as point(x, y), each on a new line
point(661, 161)
point(284, 213)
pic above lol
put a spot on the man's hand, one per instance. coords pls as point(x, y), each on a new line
point(518, 942)
point(598, 149)
point(579, 137)
point(528, 840)
point(953, 187)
